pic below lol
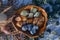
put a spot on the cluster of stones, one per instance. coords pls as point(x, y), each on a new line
point(33, 13)
point(29, 20)
point(31, 28)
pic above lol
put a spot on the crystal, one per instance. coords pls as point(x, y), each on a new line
point(18, 19)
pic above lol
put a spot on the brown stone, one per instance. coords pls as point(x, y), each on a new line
point(18, 18)
point(19, 24)
point(24, 18)
point(30, 20)
point(40, 21)
point(35, 20)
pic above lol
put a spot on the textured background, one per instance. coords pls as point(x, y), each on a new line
point(52, 7)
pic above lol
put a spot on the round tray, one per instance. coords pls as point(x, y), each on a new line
point(40, 30)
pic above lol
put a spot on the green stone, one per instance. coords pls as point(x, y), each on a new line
point(30, 15)
point(24, 13)
point(37, 14)
point(33, 10)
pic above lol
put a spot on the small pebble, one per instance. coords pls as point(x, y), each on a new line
point(24, 13)
point(18, 19)
point(33, 10)
point(30, 20)
point(24, 18)
point(30, 15)
point(39, 23)
point(24, 28)
point(29, 26)
point(35, 21)
point(19, 24)
point(37, 14)
point(35, 27)
point(33, 31)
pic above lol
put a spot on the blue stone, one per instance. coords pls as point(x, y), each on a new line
point(24, 28)
point(29, 26)
point(33, 31)
point(35, 27)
